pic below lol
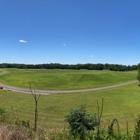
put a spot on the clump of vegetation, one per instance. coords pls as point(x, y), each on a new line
point(81, 122)
point(138, 75)
point(137, 130)
point(8, 132)
point(111, 132)
point(82, 126)
point(3, 115)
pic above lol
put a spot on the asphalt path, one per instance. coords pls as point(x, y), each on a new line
point(49, 92)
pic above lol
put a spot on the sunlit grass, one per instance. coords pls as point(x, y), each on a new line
point(64, 79)
point(122, 103)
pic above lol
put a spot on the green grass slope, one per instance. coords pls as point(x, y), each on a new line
point(64, 79)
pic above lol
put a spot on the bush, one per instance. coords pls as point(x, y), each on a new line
point(81, 123)
point(136, 135)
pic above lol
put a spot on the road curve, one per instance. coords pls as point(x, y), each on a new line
point(48, 92)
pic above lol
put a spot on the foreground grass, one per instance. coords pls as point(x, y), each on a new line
point(8, 132)
point(122, 103)
point(64, 79)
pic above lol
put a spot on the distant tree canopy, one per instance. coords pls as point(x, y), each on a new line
point(88, 66)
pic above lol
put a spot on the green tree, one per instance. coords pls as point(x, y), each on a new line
point(81, 123)
point(138, 76)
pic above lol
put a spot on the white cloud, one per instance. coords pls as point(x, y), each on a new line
point(64, 44)
point(91, 55)
point(22, 41)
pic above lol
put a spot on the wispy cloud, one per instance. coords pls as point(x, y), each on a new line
point(22, 41)
point(64, 44)
point(91, 55)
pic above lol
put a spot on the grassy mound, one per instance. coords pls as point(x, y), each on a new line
point(64, 79)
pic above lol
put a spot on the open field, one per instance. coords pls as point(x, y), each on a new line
point(119, 103)
point(64, 79)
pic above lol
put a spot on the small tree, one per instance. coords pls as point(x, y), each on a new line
point(138, 76)
point(81, 123)
point(36, 99)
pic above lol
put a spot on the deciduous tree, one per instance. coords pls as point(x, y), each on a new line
point(138, 76)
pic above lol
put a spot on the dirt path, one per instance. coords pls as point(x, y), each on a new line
point(48, 92)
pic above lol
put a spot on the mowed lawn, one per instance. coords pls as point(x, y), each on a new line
point(122, 103)
point(64, 79)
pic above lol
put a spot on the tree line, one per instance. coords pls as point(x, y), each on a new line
point(88, 66)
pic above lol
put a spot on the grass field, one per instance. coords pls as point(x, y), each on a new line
point(121, 102)
point(64, 79)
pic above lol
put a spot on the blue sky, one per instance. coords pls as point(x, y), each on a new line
point(70, 31)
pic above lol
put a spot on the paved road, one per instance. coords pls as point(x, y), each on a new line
point(48, 92)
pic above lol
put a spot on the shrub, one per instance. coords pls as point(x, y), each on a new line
point(23, 123)
point(136, 135)
point(81, 123)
